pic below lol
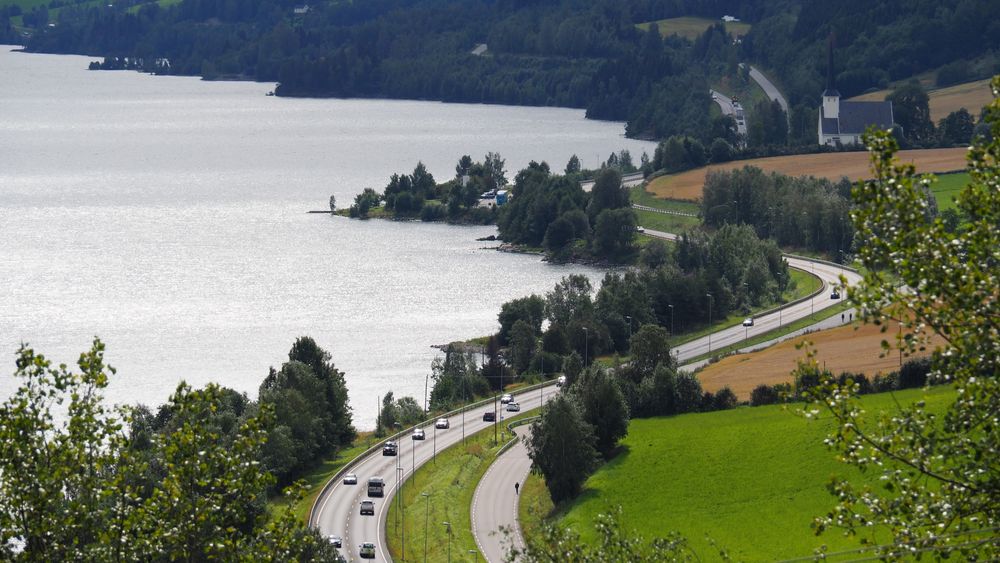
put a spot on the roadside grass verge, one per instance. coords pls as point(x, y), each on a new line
point(319, 475)
point(640, 196)
point(534, 508)
point(749, 479)
point(450, 483)
point(802, 284)
point(665, 222)
point(800, 324)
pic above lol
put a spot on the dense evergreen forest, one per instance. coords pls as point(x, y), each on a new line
point(573, 53)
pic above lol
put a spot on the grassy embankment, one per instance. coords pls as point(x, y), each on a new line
point(947, 187)
point(663, 221)
point(692, 27)
point(450, 483)
point(751, 479)
point(318, 476)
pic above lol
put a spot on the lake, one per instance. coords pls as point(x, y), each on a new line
point(167, 215)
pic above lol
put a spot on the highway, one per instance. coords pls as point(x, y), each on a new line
point(495, 489)
point(732, 109)
point(337, 511)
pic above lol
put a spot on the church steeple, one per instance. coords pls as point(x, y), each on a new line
point(831, 90)
point(831, 97)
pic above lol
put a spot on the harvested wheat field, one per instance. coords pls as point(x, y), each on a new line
point(853, 348)
point(972, 96)
point(855, 165)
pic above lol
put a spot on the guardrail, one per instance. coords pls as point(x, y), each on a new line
point(802, 299)
point(664, 211)
point(425, 423)
point(821, 261)
point(510, 428)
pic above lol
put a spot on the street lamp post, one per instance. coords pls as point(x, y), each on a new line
point(427, 513)
point(399, 507)
point(586, 343)
point(434, 454)
point(425, 394)
point(448, 524)
point(629, 331)
point(671, 320)
point(709, 295)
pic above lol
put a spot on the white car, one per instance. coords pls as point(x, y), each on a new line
point(506, 398)
point(513, 407)
point(748, 321)
point(351, 479)
point(418, 434)
point(336, 541)
point(561, 381)
point(441, 423)
point(367, 550)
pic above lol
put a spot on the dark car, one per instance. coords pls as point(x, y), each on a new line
point(367, 507)
point(389, 448)
point(489, 416)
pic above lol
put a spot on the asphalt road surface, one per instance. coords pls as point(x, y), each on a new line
point(494, 504)
point(729, 107)
point(338, 509)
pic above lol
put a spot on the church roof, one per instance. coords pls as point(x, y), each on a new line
point(855, 117)
point(831, 92)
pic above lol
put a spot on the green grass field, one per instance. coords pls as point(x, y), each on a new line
point(947, 187)
point(751, 479)
point(692, 27)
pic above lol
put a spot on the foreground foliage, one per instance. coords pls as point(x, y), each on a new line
point(75, 484)
point(940, 474)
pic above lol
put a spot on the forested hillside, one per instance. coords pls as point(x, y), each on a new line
point(573, 53)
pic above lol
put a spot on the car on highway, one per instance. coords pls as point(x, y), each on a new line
point(442, 424)
point(506, 398)
point(368, 507)
point(513, 407)
point(418, 434)
point(390, 448)
point(640, 230)
point(367, 550)
point(489, 416)
point(748, 321)
point(376, 487)
point(835, 294)
point(351, 479)
point(561, 381)
point(336, 541)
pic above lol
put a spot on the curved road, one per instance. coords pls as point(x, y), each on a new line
point(495, 505)
point(338, 509)
point(495, 489)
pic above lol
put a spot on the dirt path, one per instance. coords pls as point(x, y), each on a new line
point(855, 165)
point(854, 348)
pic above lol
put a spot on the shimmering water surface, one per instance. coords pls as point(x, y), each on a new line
point(167, 216)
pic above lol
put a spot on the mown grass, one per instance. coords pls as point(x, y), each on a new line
point(318, 476)
point(947, 188)
point(640, 196)
point(665, 222)
point(750, 479)
point(450, 483)
point(691, 27)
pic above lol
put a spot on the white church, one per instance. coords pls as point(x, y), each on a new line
point(844, 122)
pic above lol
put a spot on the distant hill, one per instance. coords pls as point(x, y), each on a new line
point(571, 53)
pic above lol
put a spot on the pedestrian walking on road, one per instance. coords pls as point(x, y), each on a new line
point(841, 317)
point(517, 487)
